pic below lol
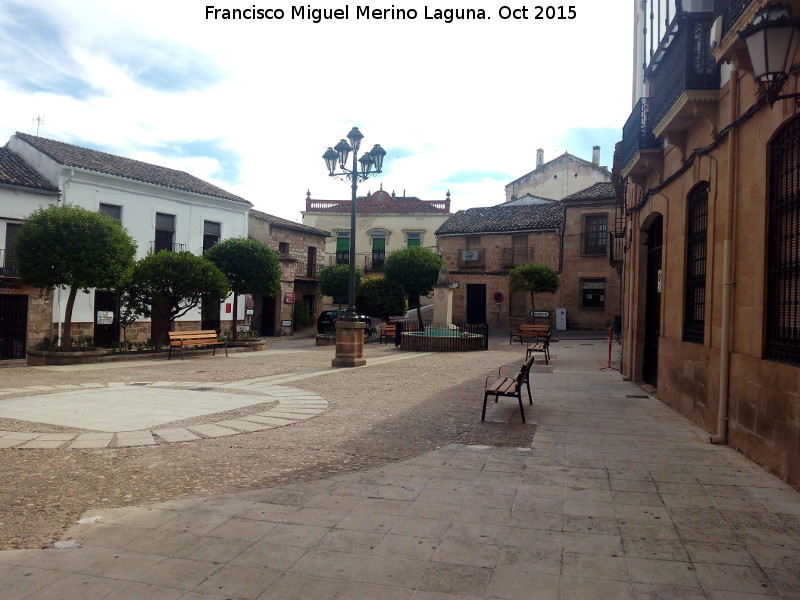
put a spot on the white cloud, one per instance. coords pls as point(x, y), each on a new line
point(476, 96)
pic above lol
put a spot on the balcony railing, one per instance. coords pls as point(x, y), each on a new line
point(374, 262)
point(684, 62)
point(730, 10)
point(637, 134)
point(8, 264)
point(471, 257)
point(167, 247)
point(339, 258)
point(513, 257)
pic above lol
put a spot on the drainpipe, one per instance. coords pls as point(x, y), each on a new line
point(721, 436)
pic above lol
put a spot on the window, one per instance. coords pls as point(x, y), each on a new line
point(593, 293)
point(518, 304)
point(413, 239)
point(783, 255)
point(311, 265)
point(593, 235)
point(378, 250)
point(8, 262)
point(343, 248)
point(283, 247)
point(211, 234)
point(696, 228)
point(165, 232)
point(112, 210)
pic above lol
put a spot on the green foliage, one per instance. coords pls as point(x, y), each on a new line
point(301, 316)
point(250, 266)
point(380, 297)
point(333, 280)
point(534, 278)
point(416, 269)
point(166, 285)
point(66, 245)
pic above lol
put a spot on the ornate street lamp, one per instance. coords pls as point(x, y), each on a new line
point(371, 163)
point(772, 40)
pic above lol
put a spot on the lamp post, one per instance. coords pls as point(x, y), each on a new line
point(772, 40)
point(349, 346)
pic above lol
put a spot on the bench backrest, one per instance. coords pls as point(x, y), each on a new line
point(524, 371)
point(389, 329)
point(527, 328)
point(176, 336)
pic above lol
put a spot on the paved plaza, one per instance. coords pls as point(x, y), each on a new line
point(613, 495)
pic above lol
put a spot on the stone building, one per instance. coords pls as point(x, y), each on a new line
point(300, 249)
point(480, 246)
point(384, 223)
point(558, 178)
point(712, 268)
point(25, 312)
point(590, 282)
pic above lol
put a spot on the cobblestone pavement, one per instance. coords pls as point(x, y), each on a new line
point(397, 490)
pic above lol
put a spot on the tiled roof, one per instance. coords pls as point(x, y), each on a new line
point(599, 191)
point(102, 162)
point(278, 222)
point(15, 172)
point(503, 218)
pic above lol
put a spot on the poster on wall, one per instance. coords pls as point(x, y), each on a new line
point(105, 317)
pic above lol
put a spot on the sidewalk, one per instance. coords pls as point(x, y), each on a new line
point(617, 498)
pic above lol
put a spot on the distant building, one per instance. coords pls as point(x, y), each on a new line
point(25, 314)
point(558, 178)
point(384, 223)
point(300, 249)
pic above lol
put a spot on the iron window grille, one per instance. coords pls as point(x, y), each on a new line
point(694, 316)
point(594, 235)
point(593, 293)
point(783, 256)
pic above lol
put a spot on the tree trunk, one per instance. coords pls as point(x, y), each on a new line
point(66, 339)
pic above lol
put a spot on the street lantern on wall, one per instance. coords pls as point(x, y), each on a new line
point(370, 164)
point(772, 40)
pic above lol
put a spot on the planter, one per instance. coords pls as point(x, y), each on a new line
point(249, 346)
point(38, 358)
point(326, 339)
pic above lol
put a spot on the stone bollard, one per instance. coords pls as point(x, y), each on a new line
point(349, 344)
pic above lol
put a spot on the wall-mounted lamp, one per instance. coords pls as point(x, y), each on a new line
point(772, 40)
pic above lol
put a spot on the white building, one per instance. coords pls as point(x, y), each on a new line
point(161, 208)
point(558, 178)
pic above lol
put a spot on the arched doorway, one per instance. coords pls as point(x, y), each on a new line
point(652, 315)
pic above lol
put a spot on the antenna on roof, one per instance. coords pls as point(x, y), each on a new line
point(38, 119)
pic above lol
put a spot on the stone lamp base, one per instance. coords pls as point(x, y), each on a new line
point(349, 344)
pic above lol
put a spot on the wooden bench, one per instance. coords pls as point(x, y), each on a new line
point(540, 344)
point(509, 386)
point(386, 331)
point(526, 332)
point(184, 339)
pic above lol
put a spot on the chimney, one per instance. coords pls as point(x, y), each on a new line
point(539, 158)
point(596, 156)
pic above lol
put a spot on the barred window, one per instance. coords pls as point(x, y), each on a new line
point(594, 235)
point(593, 293)
point(783, 256)
point(694, 316)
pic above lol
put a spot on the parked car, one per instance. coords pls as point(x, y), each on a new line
point(326, 322)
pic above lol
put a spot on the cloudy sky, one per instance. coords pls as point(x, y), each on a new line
point(251, 105)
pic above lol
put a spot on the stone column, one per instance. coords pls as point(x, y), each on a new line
point(349, 344)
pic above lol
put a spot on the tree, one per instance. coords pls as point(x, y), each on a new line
point(66, 245)
point(380, 297)
point(416, 269)
point(250, 266)
point(333, 281)
point(166, 285)
point(534, 278)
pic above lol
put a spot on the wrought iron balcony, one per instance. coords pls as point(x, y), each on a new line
point(8, 264)
point(730, 10)
point(513, 257)
point(683, 61)
point(637, 134)
point(154, 247)
point(340, 258)
point(375, 261)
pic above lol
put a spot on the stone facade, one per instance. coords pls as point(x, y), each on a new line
point(558, 178)
point(300, 249)
point(711, 355)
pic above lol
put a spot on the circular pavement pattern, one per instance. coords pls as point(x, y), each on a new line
point(122, 415)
